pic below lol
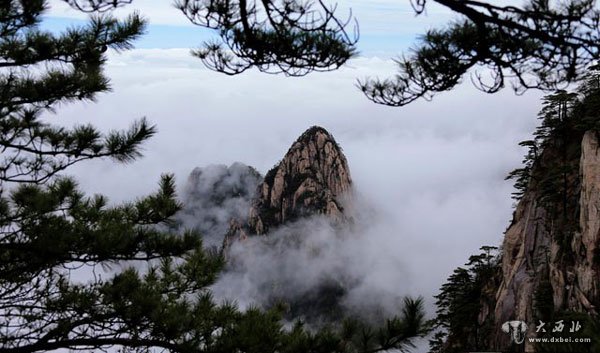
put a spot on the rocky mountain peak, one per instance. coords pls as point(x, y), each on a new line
point(312, 178)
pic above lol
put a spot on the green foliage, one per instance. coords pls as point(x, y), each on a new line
point(394, 334)
point(291, 37)
point(523, 175)
point(459, 304)
point(42, 70)
point(551, 164)
point(554, 133)
point(152, 293)
point(54, 224)
point(588, 110)
point(550, 168)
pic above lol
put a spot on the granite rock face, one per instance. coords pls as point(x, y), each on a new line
point(586, 243)
point(557, 250)
point(312, 178)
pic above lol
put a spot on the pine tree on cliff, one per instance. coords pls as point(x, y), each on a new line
point(590, 90)
point(551, 174)
point(459, 302)
point(557, 123)
point(556, 116)
point(51, 233)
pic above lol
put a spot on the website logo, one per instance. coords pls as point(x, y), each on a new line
point(516, 329)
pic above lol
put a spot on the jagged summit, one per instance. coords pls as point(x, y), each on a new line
point(312, 178)
point(311, 132)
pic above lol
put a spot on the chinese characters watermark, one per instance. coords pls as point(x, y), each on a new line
point(518, 330)
point(559, 326)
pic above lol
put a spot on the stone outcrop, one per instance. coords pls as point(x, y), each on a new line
point(554, 247)
point(586, 242)
point(312, 178)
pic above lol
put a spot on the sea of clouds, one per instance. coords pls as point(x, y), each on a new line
point(429, 176)
point(432, 171)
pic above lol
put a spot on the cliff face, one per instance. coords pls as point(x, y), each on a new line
point(552, 243)
point(587, 242)
point(312, 178)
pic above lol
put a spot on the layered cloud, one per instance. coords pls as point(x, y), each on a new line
point(434, 171)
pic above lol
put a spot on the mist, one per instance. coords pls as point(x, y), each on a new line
point(428, 178)
point(363, 268)
point(308, 260)
point(433, 172)
point(213, 196)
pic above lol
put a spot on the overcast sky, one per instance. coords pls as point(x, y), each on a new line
point(435, 169)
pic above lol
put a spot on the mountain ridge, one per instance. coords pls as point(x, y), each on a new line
point(313, 178)
point(547, 270)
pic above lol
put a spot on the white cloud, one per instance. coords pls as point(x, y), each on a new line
point(434, 169)
point(157, 11)
point(381, 17)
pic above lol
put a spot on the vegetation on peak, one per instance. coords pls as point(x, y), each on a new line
point(461, 298)
point(552, 155)
point(312, 131)
point(550, 177)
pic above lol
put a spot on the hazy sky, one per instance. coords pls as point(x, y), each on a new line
point(435, 169)
point(385, 25)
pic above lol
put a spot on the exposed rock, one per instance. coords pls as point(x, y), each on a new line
point(235, 232)
point(586, 243)
point(312, 178)
point(559, 245)
point(526, 243)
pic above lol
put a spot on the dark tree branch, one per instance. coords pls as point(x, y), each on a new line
point(290, 37)
point(530, 47)
point(92, 6)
